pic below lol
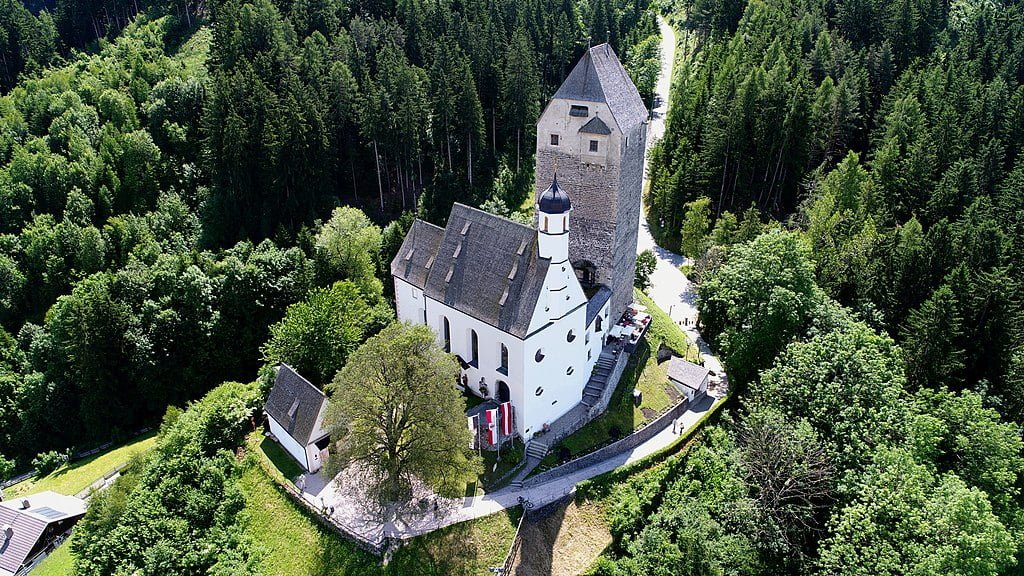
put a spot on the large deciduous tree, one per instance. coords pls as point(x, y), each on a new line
point(348, 246)
point(908, 520)
point(763, 297)
point(317, 335)
point(396, 412)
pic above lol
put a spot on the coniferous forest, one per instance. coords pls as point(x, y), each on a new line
point(847, 180)
point(167, 170)
point(192, 191)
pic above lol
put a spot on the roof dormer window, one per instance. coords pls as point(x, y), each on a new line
point(579, 111)
point(593, 145)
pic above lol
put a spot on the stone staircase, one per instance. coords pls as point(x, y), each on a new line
point(599, 379)
point(572, 420)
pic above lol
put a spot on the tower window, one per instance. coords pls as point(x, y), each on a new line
point(593, 145)
point(569, 371)
point(554, 139)
point(570, 336)
point(579, 111)
point(539, 355)
point(538, 391)
point(545, 223)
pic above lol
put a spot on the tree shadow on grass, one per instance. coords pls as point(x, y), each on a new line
point(540, 531)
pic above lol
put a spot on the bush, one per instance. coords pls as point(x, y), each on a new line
point(6, 468)
point(47, 462)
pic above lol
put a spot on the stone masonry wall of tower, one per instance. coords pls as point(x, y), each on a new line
point(605, 192)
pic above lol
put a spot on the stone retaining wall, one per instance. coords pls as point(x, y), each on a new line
point(375, 548)
point(628, 443)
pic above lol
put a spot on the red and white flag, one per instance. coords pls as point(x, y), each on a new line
point(471, 420)
point(492, 425)
point(506, 418)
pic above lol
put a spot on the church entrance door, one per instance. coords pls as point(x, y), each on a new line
point(503, 392)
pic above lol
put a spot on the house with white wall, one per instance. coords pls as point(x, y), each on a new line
point(31, 526)
point(689, 378)
point(295, 411)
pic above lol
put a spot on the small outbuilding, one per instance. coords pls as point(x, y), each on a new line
point(295, 410)
point(691, 379)
point(32, 526)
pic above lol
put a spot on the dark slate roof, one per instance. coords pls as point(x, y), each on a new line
point(687, 373)
point(600, 77)
point(417, 253)
point(596, 302)
point(554, 200)
point(596, 126)
point(29, 525)
point(485, 266)
point(295, 404)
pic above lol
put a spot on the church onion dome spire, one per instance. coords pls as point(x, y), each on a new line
point(554, 200)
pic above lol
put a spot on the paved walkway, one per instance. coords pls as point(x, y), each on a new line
point(425, 518)
point(671, 291)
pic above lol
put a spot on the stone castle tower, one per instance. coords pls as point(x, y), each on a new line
point(593, 135)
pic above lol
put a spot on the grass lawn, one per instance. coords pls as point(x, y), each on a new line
point(59, 563)
point(643, 373)
point(72, 478)
point(511, 457)
point(291, 543)
point(280, 463)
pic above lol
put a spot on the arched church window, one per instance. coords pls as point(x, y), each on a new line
point(597, 324)
point(539, 355)
point(570, 336)
point(504, 358)
point(569, 371)
point(447, 334)
point(474, 348)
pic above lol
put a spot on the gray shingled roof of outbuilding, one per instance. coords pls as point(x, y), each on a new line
point(687, 373)
point(600, 77)
point(485, 266)
point(291, 389)
point(416, 256)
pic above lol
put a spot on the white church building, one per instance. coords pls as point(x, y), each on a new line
point(503, 298)
point(507, 299)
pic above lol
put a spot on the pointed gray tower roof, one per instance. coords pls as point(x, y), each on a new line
point(600, 77)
